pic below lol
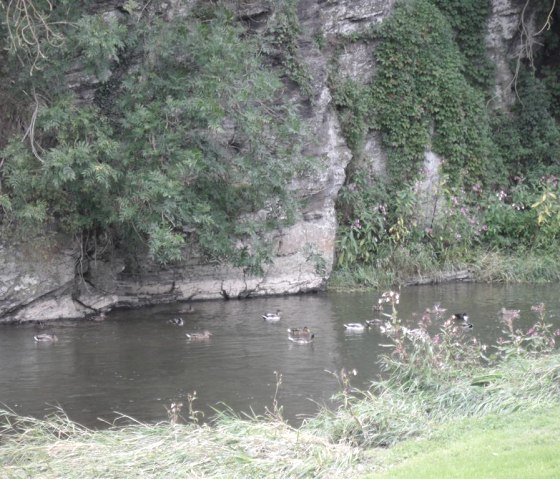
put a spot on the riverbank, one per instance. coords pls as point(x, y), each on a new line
point(517, 445)
point(437, 397)
point(483, 266)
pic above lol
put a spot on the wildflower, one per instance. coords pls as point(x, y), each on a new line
point(557, 332)
point(419, 334)
point(437, 339)
point(531, 331)
point(477, 188)
point(538, 308)
point(356, 225)
point(382, 209)
point(389, 297)
point(501, 195)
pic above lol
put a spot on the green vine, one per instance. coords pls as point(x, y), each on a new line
point(353, 102)
point(423, 100)
point(283, 30)
point(468, 22)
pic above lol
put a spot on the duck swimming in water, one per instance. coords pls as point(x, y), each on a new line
point(356, 327)
point(460, 317)
point(100, 317)
point(199, 336)
point(301, 336)
point(272, 316)
point(45, 338)
point(176, 321)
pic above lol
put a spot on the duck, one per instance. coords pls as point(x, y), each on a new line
point(375, 322)
point(467, 326)
point(199, 336)
point(272, 316)
point(45, 338)
point(100, 317)
point(460, 317)
point(301, 336)
point(176, 321)
point(357, 327)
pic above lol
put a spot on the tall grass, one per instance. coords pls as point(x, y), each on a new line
point(229, 448)
point(531, 267)
point(434, 378)
point(388, 414)
point(404, 267)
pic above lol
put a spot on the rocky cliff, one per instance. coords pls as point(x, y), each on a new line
point(51, 282)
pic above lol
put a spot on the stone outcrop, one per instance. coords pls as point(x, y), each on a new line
point(53, 282)
point(509, 39)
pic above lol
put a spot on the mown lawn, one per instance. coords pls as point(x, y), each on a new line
point(522, 445)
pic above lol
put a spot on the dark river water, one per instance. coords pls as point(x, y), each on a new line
point(135, 363)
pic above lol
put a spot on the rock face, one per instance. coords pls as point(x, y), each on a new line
point(55, 284)
point(510, 38)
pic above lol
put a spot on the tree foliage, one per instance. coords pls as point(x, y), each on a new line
point(188, 137)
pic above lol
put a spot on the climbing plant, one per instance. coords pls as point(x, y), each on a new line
point(423, 100)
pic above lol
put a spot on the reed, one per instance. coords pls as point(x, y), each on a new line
point(230, 447)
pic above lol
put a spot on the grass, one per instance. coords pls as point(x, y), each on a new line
point(231, 448)
point(461, 427)
point(515, 446)
point(394, 413)
point(531, 267)
point(486, 266)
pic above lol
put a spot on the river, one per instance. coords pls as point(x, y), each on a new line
point(136, 364)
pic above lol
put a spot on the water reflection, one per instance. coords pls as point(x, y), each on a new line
point(137, 363)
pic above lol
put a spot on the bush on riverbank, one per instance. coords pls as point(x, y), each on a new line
point(505, 236)
point(432, 377)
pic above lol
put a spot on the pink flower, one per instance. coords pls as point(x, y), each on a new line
point(501, 195)
point(437, 339)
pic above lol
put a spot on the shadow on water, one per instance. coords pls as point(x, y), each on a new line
point(136, 363)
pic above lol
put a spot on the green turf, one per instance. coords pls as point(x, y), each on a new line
point(516, 446)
